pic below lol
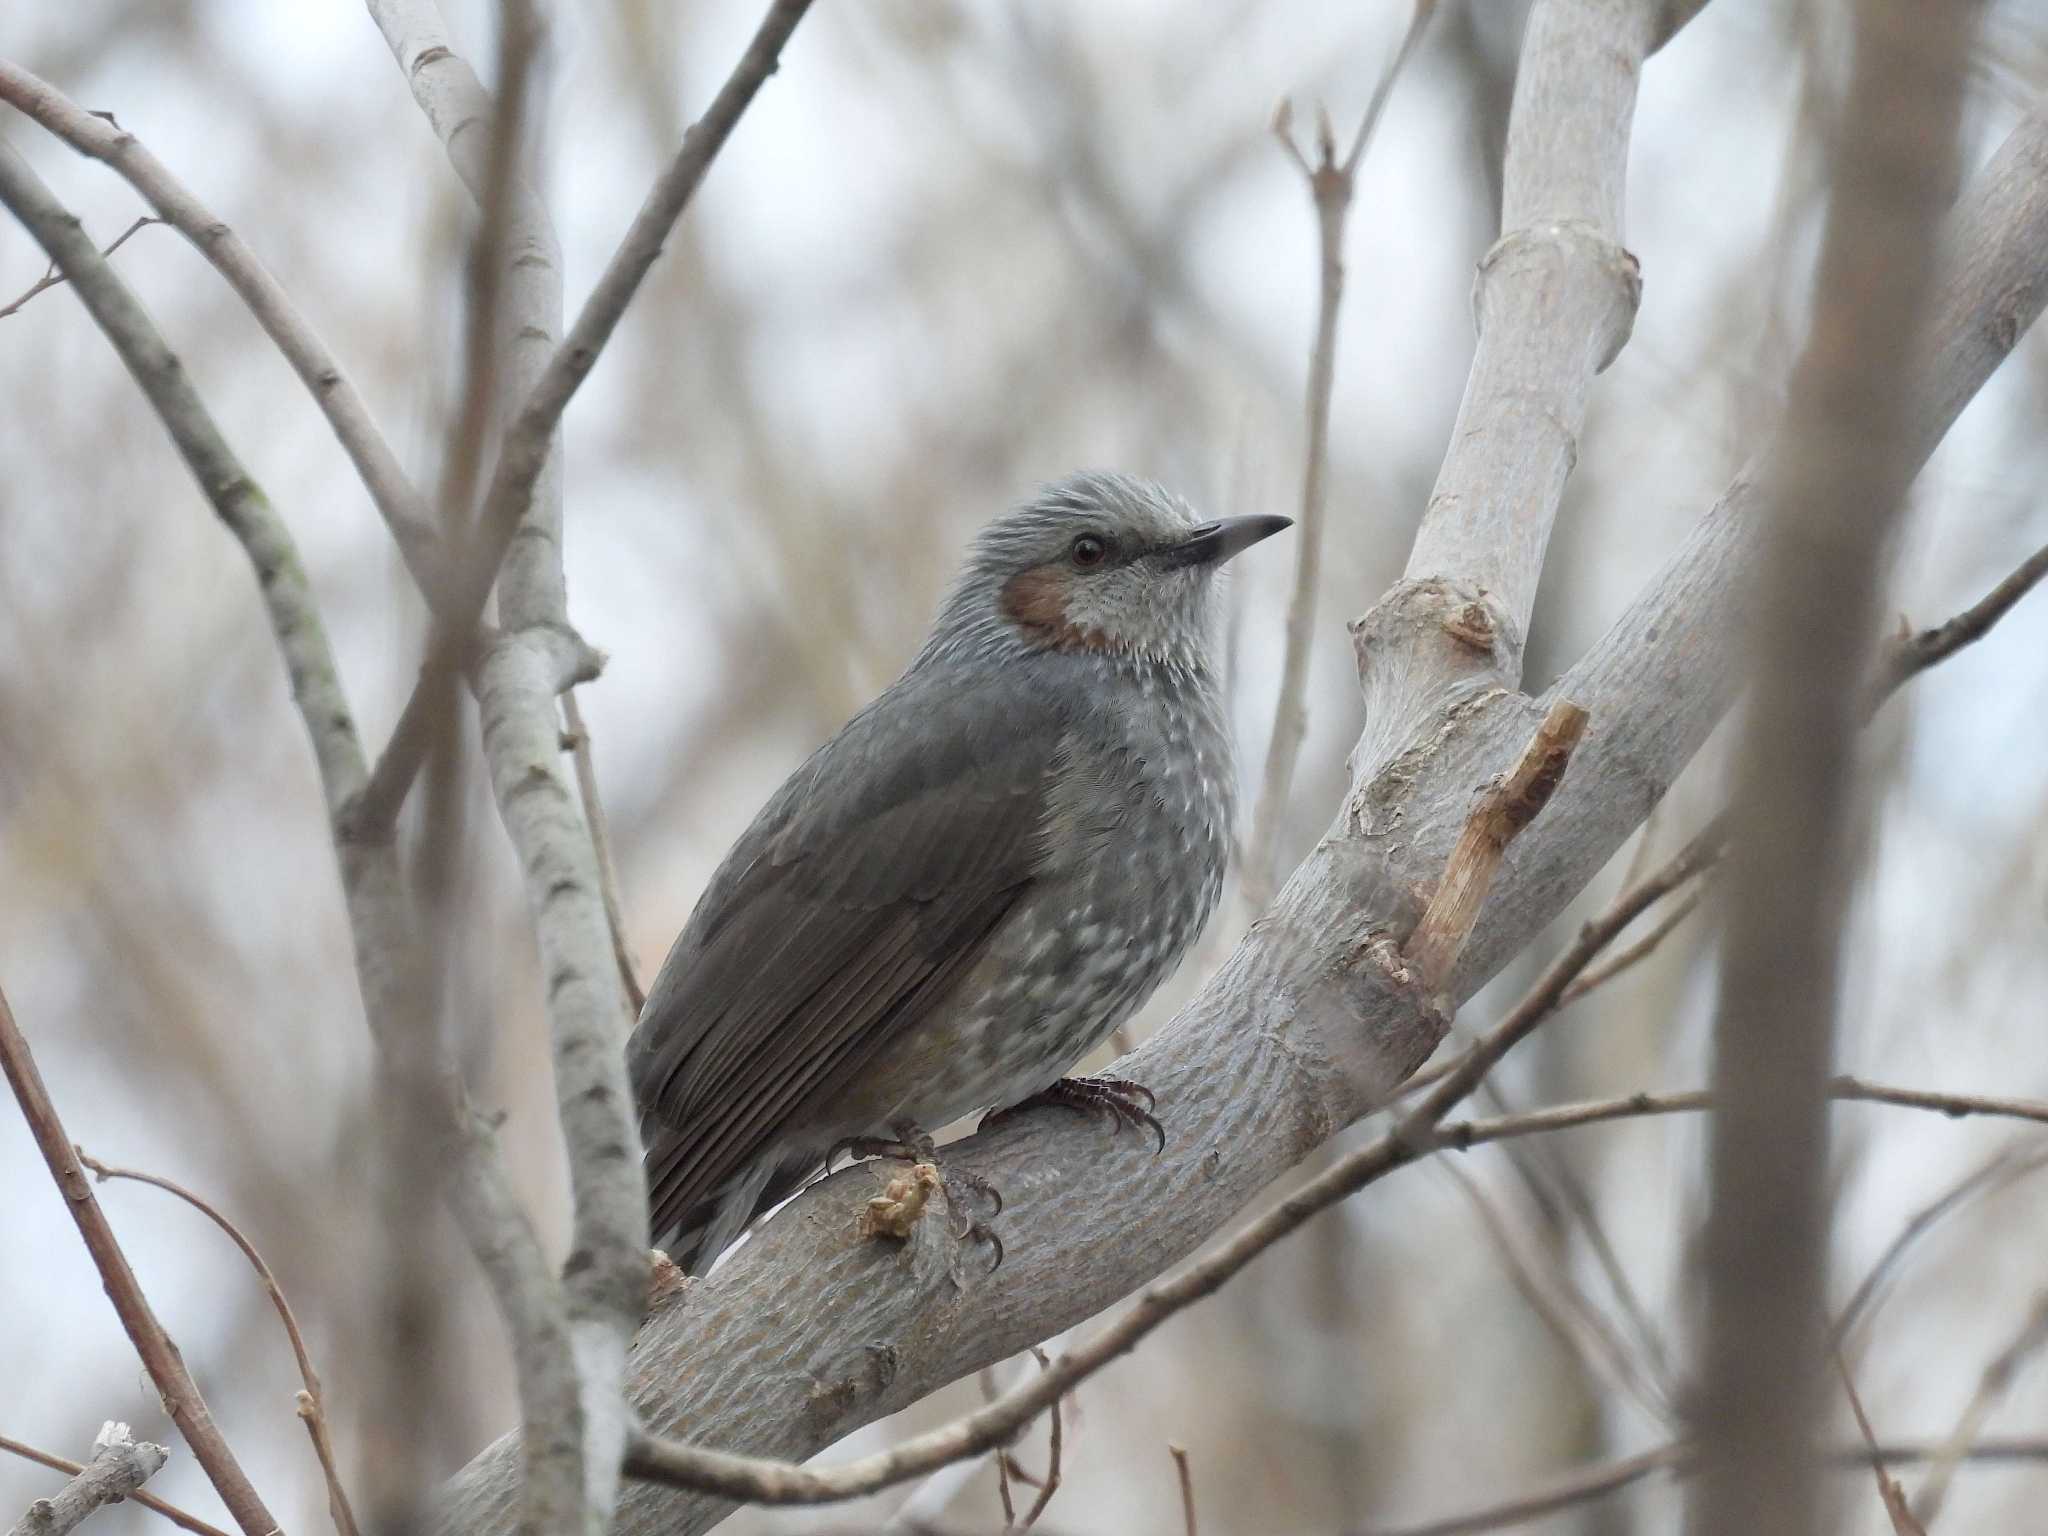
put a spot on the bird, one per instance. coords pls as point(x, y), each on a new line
point(970, 885)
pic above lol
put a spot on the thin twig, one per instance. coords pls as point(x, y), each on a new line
point(1006, 1465)
point(402, 507)
point(1330, 185)
point(519, 40)
point(1958, 1105)
point(149, 1501)
point(1678, 1458)
point(1991, 1386)
point(1564, 1200)
point(1003, 1493)
point(120, 1465)
point(2000, 1170)
point(1578, 1326)
point(53, 277)
point(529, 439)
point(312, 1405)
point(182, 1398)
point(1903, 1523)
point(1912, 654)
point(577, 736)
point(236, 498)
point(1187, 1490)
point(1461, 1135)
point(1632, 954)
point(1055, 1439)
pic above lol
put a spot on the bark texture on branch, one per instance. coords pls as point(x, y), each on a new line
point(460, 112)
point(120, 1464)
point(1555, 300)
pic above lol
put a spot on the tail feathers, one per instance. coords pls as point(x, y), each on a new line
point(695, 1233)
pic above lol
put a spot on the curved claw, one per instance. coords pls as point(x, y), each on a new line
point(1116, 1097)
point(978, 1184)
point(977, 1232)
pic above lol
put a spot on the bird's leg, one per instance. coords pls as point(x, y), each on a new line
point(1123, 1101)
point(913, 1144)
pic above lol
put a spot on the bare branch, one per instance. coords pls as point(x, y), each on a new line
point(312, 1408)
point(1641, 949)
point(403, 509)
point(120, 1465)
point(1837, 489)
point(1996, 1380)
point(517, 682)
point(1912, 654)
point(1187, 1491)
point(1998, 1171)
point(463, 118)
point(1579, 1327)
point(53, 278)
point(1903, 1523)
point(1555, 301)
point(577, 735)
point(1330, 183)
point(387, 957)
point(449, 94)
point(148, 1501)
point(1591, 1483)
point(236, 498)
point(1581, 1487)
point(182, 1398)
point(499, 195)
point(1055, 1440)
point(1564, 1117)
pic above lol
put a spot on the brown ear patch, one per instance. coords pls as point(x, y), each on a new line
point(1036, 602)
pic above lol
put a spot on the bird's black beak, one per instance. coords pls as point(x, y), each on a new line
point(1214, 543)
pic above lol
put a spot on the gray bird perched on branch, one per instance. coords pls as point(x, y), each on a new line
point(968, 887)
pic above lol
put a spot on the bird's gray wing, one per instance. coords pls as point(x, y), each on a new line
point(863, 891)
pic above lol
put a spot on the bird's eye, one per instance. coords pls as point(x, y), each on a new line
point(1089, 550)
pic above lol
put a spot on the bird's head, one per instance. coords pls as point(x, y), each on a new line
point(1097, 563)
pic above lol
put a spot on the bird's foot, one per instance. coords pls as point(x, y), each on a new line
point(893, 1213)
point(1122, 1101)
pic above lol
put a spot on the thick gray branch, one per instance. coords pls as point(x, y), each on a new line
point(120, 1464)
point(1555, 300)
point(605, 1277)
